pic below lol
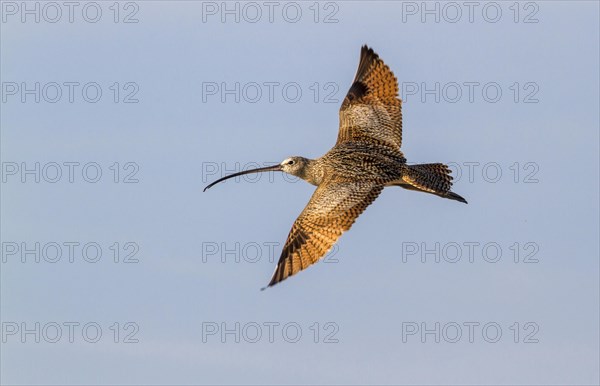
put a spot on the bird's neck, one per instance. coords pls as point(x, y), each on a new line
point(312, 172)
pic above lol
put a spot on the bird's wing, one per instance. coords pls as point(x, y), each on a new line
point(372, 110)
point(332, 209)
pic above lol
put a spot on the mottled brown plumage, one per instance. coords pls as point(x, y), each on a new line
point(349, 177)
point(372, 110)
point(332, 210)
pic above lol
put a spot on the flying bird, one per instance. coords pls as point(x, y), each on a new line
point(365, 159)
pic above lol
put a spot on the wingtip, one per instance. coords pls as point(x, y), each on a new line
point(367, 50)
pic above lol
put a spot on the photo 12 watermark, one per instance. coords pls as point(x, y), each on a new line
point(492, 172)
point(271, 92)
point(253, 252)
point(71, 172)
point(71, 92)
point(470, 92)
point(270, 332)
point(70, 252)
point(470, 252)
point(69, 12)
point(470, 332)
point(69, 332)
point(270, 12)
point(470, 12)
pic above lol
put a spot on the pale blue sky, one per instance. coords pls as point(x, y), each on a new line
point(547, 196)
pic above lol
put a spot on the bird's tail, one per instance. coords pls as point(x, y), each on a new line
point(429, 178)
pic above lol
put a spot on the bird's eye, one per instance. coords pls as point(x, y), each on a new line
point(290, 162)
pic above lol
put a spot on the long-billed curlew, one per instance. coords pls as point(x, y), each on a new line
point(365, 159)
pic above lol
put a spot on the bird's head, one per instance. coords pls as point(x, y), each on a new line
point(295, 166)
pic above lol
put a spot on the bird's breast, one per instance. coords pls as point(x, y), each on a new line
point(363, 163)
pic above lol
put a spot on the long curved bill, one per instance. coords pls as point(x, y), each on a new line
point(274, 168)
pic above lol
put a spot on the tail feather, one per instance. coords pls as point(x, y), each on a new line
point(429, 178)
point(454, 196)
